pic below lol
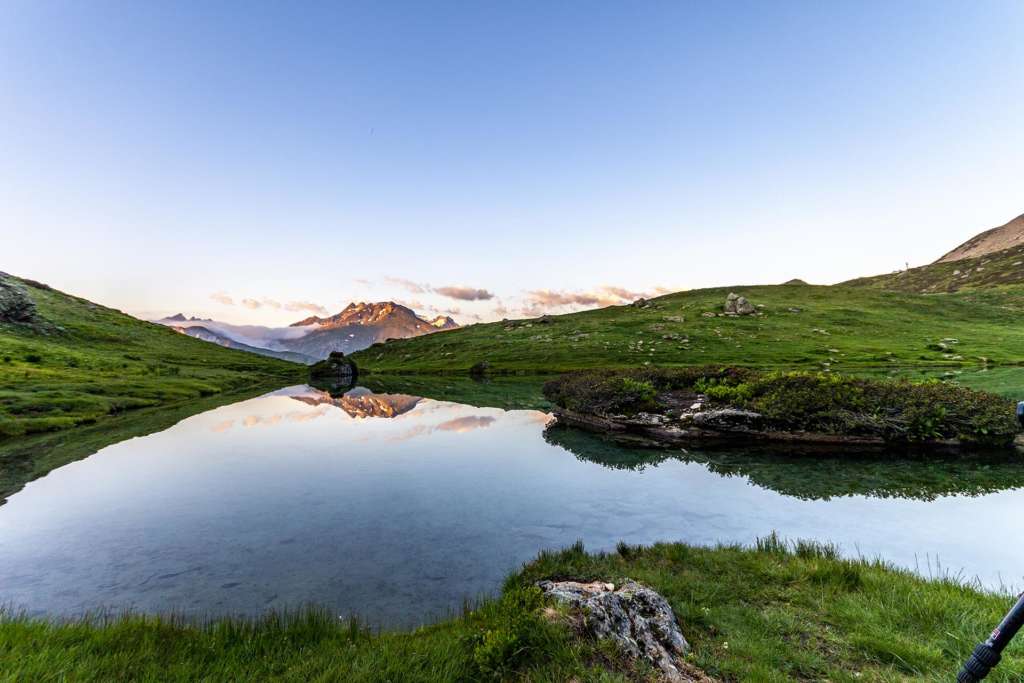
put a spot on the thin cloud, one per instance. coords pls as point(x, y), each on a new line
point(556, 299)
point(623, 293)
point(292, 306)
point(296, 306)
point(222, 298)
point(539, 301)
point(408, 285)
point(464, 293)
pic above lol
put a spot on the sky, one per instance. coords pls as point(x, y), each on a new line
point(261, 161)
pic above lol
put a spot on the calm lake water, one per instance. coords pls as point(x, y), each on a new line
point(399, 508)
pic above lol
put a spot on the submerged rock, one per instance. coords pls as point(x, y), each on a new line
point(638, 619)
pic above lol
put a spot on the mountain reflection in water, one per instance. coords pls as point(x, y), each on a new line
point(399, 508)
point(361, 402)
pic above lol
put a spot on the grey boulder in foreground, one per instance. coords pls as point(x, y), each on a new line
point(637, 618)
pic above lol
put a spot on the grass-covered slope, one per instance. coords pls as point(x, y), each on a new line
point(75, 362)
point(992, 270)
point(774, 613)
point(798, 326)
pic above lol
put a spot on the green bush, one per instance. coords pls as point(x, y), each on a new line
point(898, 411)
point(638, 392)
point(33, 358)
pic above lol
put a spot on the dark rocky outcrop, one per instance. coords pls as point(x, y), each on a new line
point(16, 306)
point(336, 370)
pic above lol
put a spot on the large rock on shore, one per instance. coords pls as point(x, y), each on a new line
point(335, 370)
point(636, 618)
point(16, 306)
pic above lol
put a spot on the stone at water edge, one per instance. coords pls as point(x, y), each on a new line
point(638, 619)
point(336, 368)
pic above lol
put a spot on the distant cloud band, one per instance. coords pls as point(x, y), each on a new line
point(465, 293)
point(255, 304)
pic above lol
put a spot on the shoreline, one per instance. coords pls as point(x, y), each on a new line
point(792, 609)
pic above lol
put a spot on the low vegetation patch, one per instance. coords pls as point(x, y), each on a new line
point(895, 410)
point(776, 612)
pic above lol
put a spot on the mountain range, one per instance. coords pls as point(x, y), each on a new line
point(357, 327)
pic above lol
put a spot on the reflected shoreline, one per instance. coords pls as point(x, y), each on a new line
point(807, 478)
point(814, 477)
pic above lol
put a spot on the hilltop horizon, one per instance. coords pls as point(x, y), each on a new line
point(539, 302)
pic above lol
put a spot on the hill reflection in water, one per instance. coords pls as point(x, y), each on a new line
point(815, 477)
point(399, 508)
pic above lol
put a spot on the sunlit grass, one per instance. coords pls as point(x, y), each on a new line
point(84, 362)
point(822, 328)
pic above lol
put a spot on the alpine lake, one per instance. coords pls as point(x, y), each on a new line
point(403, 499)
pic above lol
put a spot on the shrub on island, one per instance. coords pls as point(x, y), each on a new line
point(896, 411)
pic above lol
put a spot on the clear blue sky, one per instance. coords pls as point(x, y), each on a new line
point(157, 156)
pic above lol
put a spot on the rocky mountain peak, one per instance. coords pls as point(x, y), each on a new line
point(997, 239)
point(443, 322)
point(363, 313)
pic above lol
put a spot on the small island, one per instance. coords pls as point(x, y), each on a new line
point(730, 405)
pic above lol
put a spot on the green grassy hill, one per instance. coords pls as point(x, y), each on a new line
point(837, 327)
point(997, 269)
point(75, 362)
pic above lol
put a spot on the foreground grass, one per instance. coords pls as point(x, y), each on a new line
point(85, 362)
point(774, 613)
point(800, 326)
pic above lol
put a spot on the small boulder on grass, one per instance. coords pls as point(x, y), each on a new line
point(738, 305)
